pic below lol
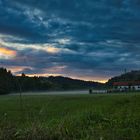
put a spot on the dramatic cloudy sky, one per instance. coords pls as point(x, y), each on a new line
point(85, 39)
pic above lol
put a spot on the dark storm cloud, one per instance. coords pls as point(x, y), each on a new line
point(95, 20)
point(98, 37)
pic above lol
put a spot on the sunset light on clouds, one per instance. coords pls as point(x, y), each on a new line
point(51, 49)
point(6, 53)
point(90, 40)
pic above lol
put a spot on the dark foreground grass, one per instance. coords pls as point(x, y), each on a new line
point(70, 117)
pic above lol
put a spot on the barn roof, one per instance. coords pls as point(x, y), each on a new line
point(130, 83)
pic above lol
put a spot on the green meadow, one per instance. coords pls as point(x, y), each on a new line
point(70, 117)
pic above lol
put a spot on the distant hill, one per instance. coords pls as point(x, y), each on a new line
point(129, 76)
point(69, 83)
point(10, 83)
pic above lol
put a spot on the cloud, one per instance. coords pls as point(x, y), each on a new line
point(87, 39)
point(6, 53)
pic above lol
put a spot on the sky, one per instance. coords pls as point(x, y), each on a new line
point(84, 39)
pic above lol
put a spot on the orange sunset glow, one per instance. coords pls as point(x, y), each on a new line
point(83, 78)
point(7, 52)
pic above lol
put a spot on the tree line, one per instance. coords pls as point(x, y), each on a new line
point(126, 77)
point(10, 83)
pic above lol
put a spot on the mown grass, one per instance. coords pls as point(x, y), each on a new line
point(71, 117)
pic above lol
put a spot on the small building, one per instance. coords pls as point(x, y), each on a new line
point(127, 86)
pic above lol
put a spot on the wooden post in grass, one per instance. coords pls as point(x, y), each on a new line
point(20, 96)
point(90, 91)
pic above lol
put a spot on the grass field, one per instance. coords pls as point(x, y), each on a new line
point(70, 117)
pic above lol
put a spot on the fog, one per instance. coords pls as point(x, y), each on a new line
point(72, 92)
